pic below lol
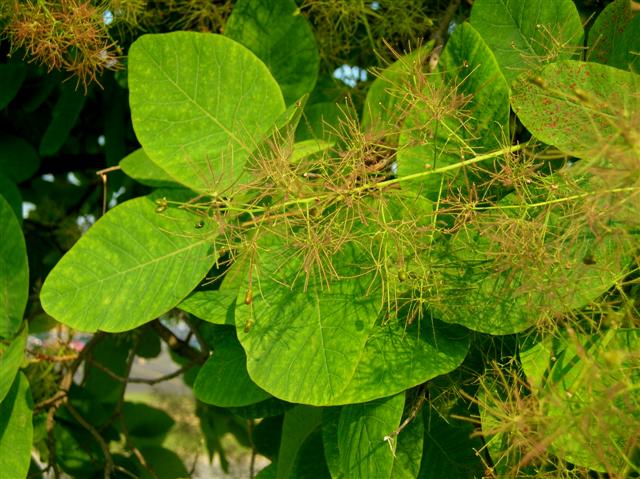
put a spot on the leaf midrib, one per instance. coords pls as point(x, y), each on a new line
point(137, 267)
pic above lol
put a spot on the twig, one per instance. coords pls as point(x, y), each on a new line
point(177, 345)
point(438, 35)
point(415, 409)
point(123, 425)
point(108, 460)
point(204, 347)
point(252, 464)
point(103, 176)
point(104, 171)
point(60, 398)
point(150, 381)
point(53, 359)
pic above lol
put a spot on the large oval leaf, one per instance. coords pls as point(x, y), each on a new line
point(14, 272)
point(146, 422)
point(11, 193)
point(525, 33)
point(299, 423)
point(584, 109)
point(11, 355)
point(200, 103)
point(398, 357)
point(282, 38)
point(409, 449)
point(64, 116)
point(591, 392)
point(133, 265)
point(463, 111)
point(18, 159)
point(386, 101)
point(529, 264)
point(449, 448)
point(303, 341)
point(16, 430)
point(310, 462)
point(407, 446)
point(140, 167)
point(223, 380)
point(614, 38)
point(215, 306)
point(11, 77)
point(362, 435)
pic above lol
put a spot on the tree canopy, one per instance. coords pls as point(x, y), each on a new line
point(381, 239)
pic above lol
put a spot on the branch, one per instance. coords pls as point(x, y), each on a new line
point(415, 409)
point(60, 398)
point(438, 35)
point(108, 460)
point(204, 347)
point(177, 345)
point(150, 381)
point(123, 425)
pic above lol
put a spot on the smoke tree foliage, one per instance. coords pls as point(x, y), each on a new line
point(435, 277)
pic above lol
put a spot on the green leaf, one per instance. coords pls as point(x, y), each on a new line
point(306, 148)
point(267, 435)
point(165, 463)
point(11, 77)
point(626, 53)
point(64, 116)
point(268, 408)
point(397, 357)
point(16, 430)
point(591, 392)
point(268, 472)
point(303, 342)
point(140, 167)
point(14, 272)
point(146, 422)
point(91, 405)
point(386, 101)
point(449, 449)
point(214, 306)
point(41, 88)
point(615, 36)
point(133, 265)
point(110, 353)
point(282, 38)
point(463, 112)
point(149, 345)
point(362, 431)
point(569, 105)
point(310, 463)
point(409, 449)
point(18, 159)
point(11, 355)
point(223, 380)
point(298, 424)
point(487, 267)
point(77, 452)
point(330, 421)
point(200, 104)
point(535, 351)
point(215, 424)
point(525, 33)
point(11, 193)
point(320, 122)
point(116, 120)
